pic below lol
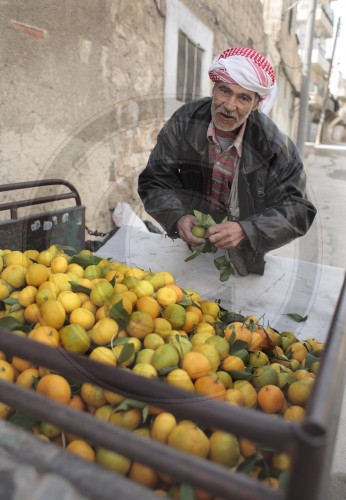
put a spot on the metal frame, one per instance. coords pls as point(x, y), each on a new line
point(310, 442)
point(40, 230)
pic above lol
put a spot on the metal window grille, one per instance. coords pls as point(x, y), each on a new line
point(189, 69)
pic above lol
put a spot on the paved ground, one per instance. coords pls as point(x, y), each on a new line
point(326, 244)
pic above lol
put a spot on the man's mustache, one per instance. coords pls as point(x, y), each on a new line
point(230, 114)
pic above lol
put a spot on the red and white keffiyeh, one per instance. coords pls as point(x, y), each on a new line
point(249, 69)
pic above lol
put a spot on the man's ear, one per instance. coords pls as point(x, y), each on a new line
point(256, 103)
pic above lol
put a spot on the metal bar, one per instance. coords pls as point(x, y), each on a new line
point(196, 471)
point(41, 182)
point(92, 480)
point(35, 201)
point(241, 421)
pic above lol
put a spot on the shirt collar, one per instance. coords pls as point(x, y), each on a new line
point(238, 141)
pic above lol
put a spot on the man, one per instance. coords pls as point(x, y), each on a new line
point(223, 156)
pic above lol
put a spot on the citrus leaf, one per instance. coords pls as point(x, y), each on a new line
point(76, 287)
point(239, 374)
point(84, 260)
point(145, 413)
point(165, 371)
point(186, 492)
point(126, 352)
point(198, 249)
point(297, 317)
point(231, 317)
point(120, 315)
point(237, 346)
point(10, 301)
point(23, 420)
point(309, 360)
point(128, 403)
point(249, 464)
point(11, 323)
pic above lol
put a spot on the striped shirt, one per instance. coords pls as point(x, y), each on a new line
point(223, 165)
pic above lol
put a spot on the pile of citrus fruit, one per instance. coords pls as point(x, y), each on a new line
point(144, 321)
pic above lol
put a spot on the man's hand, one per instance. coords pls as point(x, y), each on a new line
point(185, 225)
point(226, 235)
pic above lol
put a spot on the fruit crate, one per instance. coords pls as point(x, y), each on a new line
point(24, 229)
point(310, 442)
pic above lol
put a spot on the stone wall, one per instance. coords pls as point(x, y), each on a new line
point(81, 86)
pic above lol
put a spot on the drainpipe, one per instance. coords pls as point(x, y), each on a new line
point(305, 80)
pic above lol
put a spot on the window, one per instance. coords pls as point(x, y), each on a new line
point(189, 69)
point(188, 52)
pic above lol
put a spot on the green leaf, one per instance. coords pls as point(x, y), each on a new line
point(75, 389)
point(219, 262)
point(126, 352)
point(284, 479)
point(120, 315)
point(128, 403)
point(238, 346)
point(145, 413)
point(230, 317)
point(10, 301)
point(249, 464)
point(239, 374)
point(84, 260)
point(11, 323)
point(23, 420)
point(168, 369)
point(198, 249)
point(186, 492)
point(76, 287)
point(120, 341)
point(297, 317)
point(310, 358)
point(67, 248)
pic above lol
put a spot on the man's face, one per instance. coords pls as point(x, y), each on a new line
point(231, 105)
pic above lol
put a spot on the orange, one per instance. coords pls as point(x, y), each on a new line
point(27, 295)
point(113, 461)
point(120, 297)
point(271, 399)
point(27, 378)
point(247, 448)
point(59, 265)
point(92, 395)
point(178, 291)
point(45, 294)
point(16, 257)
point(82, 449)
point(209, 307)
point(45, 334)
point(224, 448)
point(104, 331)
point(189, 438)
point(232, 362)
point(74, 338)
point(196, 310)
point(87, 304)
point(53, 313)
point(162, 426)
point(166, 296)
point(180, 378)
point(294, 412)
point(148, 305)
point(234, 396)
point(210, 352)
point(103, 355)
point(101, 293)
point(248, 391)
point(70, 300)
point(209, 385)
point(129, 419)
point(176, 315)
point(55, 387)
point(204, 327)
point(37, 274)
point(167, 277)
point(195, 364)
point(144, 475)
point(76, 402)
point(83, 317)
point(21, 364)
point(140, 324)
point(299, 392)
point(162, 327)
point(143, 289)
point(191, 320)
point(6, 371)
point(14, 275)
point(240, 331)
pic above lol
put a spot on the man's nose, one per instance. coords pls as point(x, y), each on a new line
point(230, 103)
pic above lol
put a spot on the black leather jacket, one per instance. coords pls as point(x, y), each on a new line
point(273, 207)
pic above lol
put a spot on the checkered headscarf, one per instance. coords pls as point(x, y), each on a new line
point(249, 69)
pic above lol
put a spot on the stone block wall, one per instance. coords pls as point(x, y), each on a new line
point(82, 90)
